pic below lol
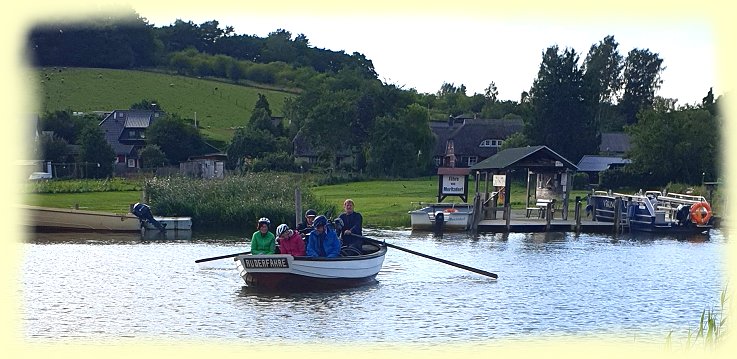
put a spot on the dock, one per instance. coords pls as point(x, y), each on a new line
point(529, 225)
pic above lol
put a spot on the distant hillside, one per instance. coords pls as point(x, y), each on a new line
point(220, 106)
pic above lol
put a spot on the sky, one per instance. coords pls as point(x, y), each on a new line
point(425, 50)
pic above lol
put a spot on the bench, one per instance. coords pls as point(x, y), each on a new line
point(540, 206)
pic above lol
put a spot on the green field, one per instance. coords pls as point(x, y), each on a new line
point(382, 203)
point(220, 106)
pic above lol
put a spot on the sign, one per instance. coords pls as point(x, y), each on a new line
point(453, 184)
point(265, 263)
point(499, 180)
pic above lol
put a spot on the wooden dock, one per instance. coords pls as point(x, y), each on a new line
point(528, 225)
point(520, 222)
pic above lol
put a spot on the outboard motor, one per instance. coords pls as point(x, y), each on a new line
point(683, 215)
point(439, 222)
point(143, 212)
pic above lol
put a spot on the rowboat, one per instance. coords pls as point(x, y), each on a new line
point(441, 216)
point(72, 219)
point(284, 272)
point(670, 213)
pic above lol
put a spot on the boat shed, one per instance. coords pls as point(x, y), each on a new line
point(552, 175)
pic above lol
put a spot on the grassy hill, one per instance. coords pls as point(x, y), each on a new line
point(220, 106)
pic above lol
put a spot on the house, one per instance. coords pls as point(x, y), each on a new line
point(466, 141)
point(304, 153)
point(125, 131)
point(593, 165)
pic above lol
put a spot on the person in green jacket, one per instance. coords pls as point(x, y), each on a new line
point(263, 241)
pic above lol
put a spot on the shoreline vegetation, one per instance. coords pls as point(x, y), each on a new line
point(237, 201)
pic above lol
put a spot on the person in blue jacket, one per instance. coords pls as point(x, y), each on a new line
point(322, 241)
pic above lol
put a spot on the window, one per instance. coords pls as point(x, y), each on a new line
point(472, 160)
point(491, 143)
point(438, 161)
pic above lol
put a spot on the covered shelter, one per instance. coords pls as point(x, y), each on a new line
point(552, 174)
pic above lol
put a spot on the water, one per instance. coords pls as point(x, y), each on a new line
point(101, 287)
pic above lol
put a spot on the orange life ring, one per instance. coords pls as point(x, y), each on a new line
point(450, 210)
point(697, 213)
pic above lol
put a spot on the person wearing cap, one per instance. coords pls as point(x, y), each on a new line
point(290, 242)
point(306, 226)
point(352, 221)
point(323, 242)
point(263, 241)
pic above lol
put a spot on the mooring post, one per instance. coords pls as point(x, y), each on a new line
point(508, 216)
point(617, 214)
point(297, 207)
point(577, 213)
point(548, 215)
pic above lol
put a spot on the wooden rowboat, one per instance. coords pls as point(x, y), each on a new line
point(288, 273)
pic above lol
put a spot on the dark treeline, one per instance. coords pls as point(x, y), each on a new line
point(128, 42)
point(343, 109)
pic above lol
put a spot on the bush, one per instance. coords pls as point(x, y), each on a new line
point(580, 180)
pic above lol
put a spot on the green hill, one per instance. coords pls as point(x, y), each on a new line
point(220, 106)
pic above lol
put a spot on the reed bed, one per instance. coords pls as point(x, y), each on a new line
point(236, 202)
point(115, 184)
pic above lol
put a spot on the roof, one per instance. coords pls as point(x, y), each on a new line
point(618, 142)
point(114, 123)
point(468, 136)
point(538, 157)
point(600, 163)
point(138, 119)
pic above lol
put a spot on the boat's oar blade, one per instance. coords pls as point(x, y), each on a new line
point(221, 257)
point(457, 265)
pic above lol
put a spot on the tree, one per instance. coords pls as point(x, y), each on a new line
point(146, 104)
point(52, 148)
point(96, 151)
point(152, 156)
point(602, 76)
point(560, 119)
point(175, 138)
point(675, 145)
point(642, 71)
point(402, 146)
point(249, 143)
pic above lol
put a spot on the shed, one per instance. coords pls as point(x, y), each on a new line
point(552, 173)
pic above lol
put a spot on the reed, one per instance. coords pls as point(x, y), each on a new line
point(115, 184)
point(711, 329)
point(236, 202)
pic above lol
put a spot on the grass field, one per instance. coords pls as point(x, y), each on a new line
point(220, 106)
point(382, 203)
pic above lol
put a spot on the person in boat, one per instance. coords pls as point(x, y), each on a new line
point(263, 241)
point(290, 241)
point(352, 223)
point(322, 241)
point(307, 225)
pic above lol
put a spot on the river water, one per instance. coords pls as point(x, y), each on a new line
point(102, 287)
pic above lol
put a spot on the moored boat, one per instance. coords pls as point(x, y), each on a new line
point(447, 216)
point(288, 273)
point(72, 219)
point(654, 212)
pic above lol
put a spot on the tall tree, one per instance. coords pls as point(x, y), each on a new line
point(401, 146)
point(642, 71)
point(560, 118)
point(177, 139)
point(675, 145)
point(602, 76)
point(95, 150)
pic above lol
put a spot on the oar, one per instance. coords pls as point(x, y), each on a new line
point(221, 257)
point(475, 270)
